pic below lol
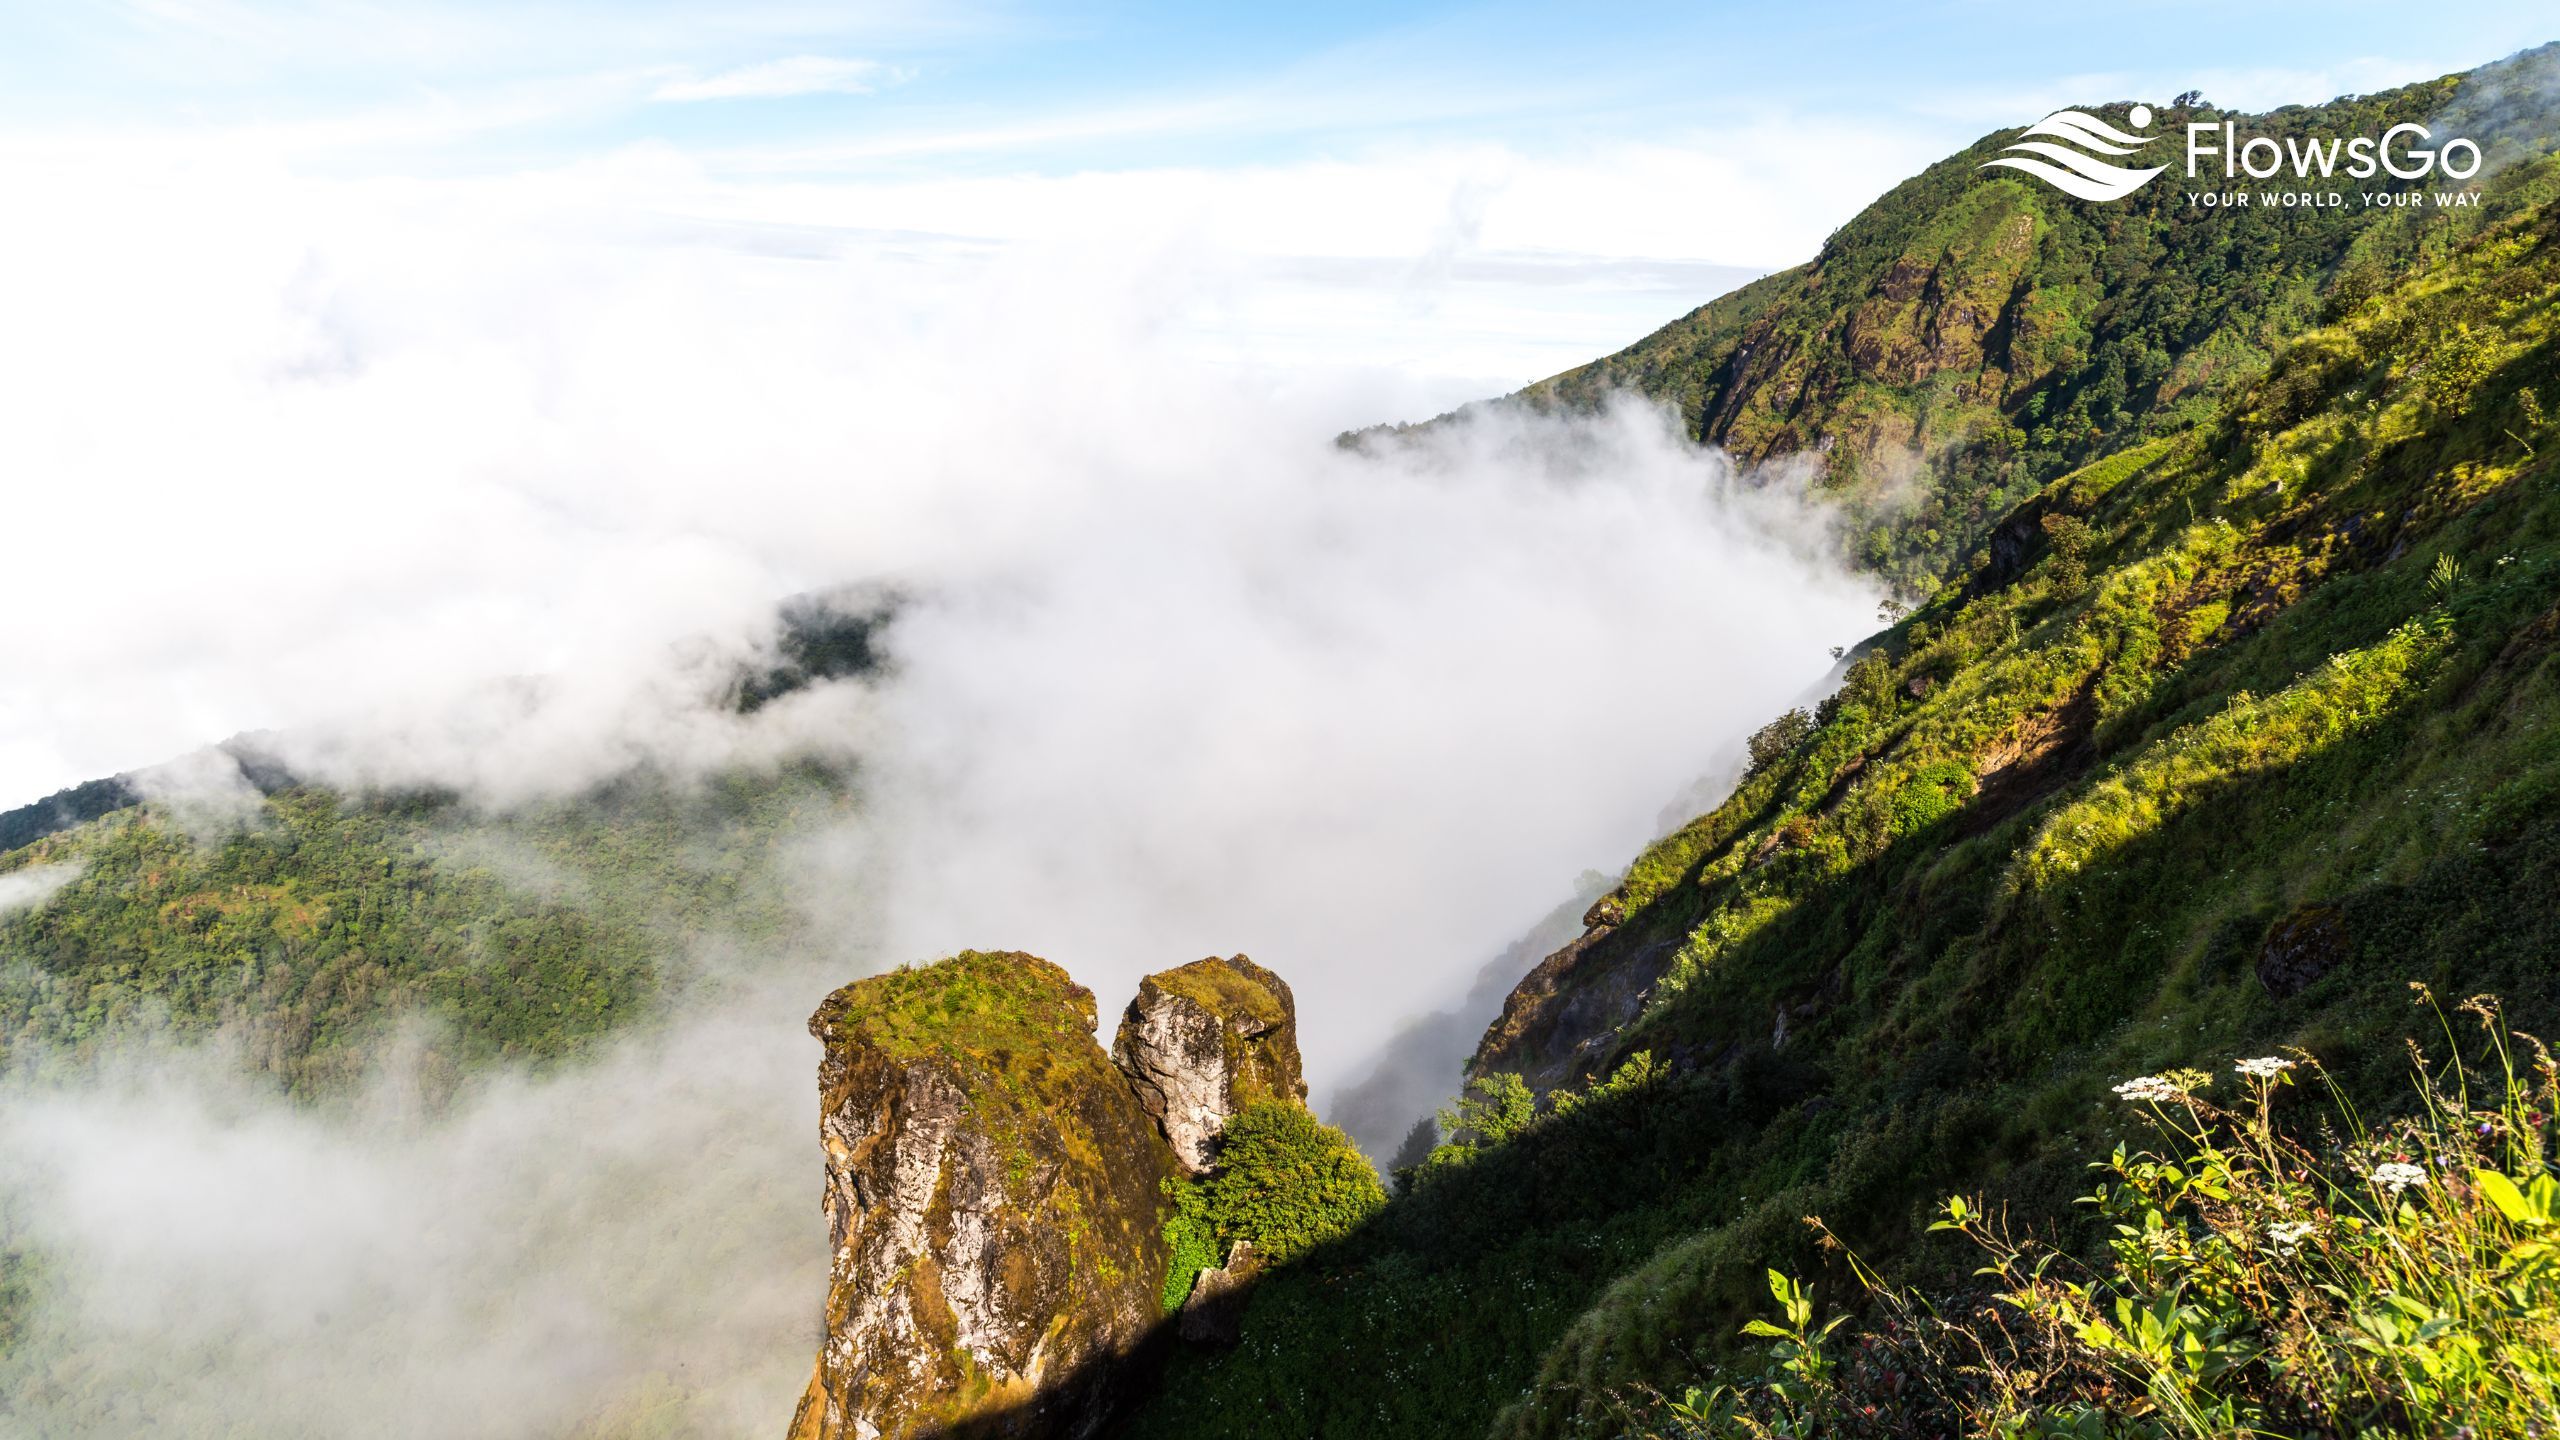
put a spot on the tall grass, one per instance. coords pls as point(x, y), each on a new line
point(2273, 1268)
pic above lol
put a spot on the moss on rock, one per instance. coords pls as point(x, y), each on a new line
point(1203, 1041)
point(994, 1197)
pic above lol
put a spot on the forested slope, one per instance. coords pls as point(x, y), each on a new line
point(1967, 338)
point(323, 919)
point(306, 922)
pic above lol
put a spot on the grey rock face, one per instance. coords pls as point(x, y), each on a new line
point(1201, 1042)
point(1214, 1312)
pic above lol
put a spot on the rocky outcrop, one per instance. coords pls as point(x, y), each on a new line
point(1560, 1025)
point(1214, 1313)
point(1201, 1042)
point(2300, 948)
point(995, 1206)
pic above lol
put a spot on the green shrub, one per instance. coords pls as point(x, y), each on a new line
point(1779, 738)
point(1932, 793)
point(2454, 369)
point(2070, 539)
point(1191, 1241)
point(1287, 1182)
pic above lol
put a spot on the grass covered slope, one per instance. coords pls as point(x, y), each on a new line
point(1975, 336)
point(2223, 740)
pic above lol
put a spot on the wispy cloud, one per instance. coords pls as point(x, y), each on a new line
point(779, 79)
point(34, 885)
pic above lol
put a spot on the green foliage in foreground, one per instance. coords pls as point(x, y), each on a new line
point(2275, 730)
point(2265, 1272)
point(1286, 1183)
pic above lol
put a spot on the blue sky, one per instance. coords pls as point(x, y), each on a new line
point(1053, 88)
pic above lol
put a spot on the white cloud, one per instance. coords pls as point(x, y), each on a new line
point(1182, 676)
point(201, 792)
point(555, 1255)
point(32, 885)
point(778, 79)
point(1315, 707)
point(354, 442)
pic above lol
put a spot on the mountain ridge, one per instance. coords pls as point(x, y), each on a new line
point(2207, 743)
point(1966, 338)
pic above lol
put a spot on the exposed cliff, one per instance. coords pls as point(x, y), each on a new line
point(1201, 1042)
point(995, 1203)
point(997, 1190)
point(1562, 1019)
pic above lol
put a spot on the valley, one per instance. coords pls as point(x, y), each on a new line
point(2205, 761)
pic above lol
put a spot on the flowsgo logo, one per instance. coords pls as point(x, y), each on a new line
point(2075, 172)
point(2068, 158)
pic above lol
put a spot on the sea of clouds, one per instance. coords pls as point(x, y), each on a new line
point(482, 483)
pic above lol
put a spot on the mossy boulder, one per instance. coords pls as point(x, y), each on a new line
point(995, 1203)
point(2300, 948)
point(1203, 1041)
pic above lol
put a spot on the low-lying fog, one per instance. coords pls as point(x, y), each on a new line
point(1177, 676)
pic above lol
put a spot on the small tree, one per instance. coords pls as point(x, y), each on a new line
point(1495, 1108)
point(1778, 739)
point(2356, 282)
point(2068, 538)
point(1415, 1152)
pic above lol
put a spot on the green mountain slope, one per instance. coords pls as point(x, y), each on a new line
point(313, 928)
point(1967, 337)
point(2214, 745)
point(310, 926)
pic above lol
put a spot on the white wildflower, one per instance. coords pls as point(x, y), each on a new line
point(2396, 1176)
point(2148, 1088)
point(2289, 1236)
point(2265, 1067)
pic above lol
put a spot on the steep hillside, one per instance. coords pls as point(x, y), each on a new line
point(1967, 337)
point(2217, 743)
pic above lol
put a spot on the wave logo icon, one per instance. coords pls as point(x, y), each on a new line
point(2070, 168)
